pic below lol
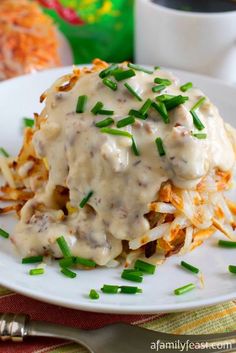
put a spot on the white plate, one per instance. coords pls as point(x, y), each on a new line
point(19, 97)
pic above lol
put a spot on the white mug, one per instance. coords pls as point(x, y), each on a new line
point(200, 42)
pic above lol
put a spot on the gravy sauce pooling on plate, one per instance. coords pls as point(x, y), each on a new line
point(85, 160)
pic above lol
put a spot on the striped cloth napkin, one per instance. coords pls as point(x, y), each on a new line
point(219, 318)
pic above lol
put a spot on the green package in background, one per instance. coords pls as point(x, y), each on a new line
point(105, 28)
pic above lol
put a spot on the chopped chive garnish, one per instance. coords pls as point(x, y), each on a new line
point(67, 262)
point(133, 92)
point(86, 198)
point(184, 289)
point(158, 88)
point(98, 106)
point(161, 109)
point(160, 146)
point(68, 273)
point(198, 104)
point(145, 267)
point(145, 107)
point(110, 289)
point(135, 148)
point(131, 276)
point(189, 267)
point(227, 243)
point(139, 68)
point(28, 122)
point(186, 86)
point(130, 290)
point(107, 130)
point(105, 122)
point(85, 262)
point(32, 259)
point(123, 75)
point(175, 102)
point(109, 83)
point(157, 67)
point(137, 114)
point(4, 234)
point(93, 294)
point(134, 271)
point(164, 97)
point(196, 121)
point(80, 107)
point(4, 153)
point(162, 81)
point(105, 112)
point(36, 271)
point(200, 136)
point(232, 269)
point(126, 121)
point(64, 246)
point(108, 70)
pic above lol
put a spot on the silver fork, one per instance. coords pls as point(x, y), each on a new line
point(116, 338)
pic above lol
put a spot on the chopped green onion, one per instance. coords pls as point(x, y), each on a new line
point(131, 276)
point(4, 234)
point(162, 81)
point(160, 146)
point(32, 259)
point(109, 83)
point(64, 246)
point(68, 273)
point(189, 267)
point(123, 75)
point(164, 97)
point(145, 267)
point(130, 290)
point(81, 104)
point(196, 121)
point(36, 271)
point(232, 269)
point(126, 121)
point(175, 102)
point(157, 67)
point(87, 197)
point(200, 136)
point(198, 104)
point(28, 122)
point(145, 107)
point(108, 70)
point(67, 262)
point(137, 114)
point(107, 130)
point(93, 294)
point(158, 88)
point(4, 153)
point(184, 289)
point(105, 122)
point(110, 289)
point(135, 148)
point(186, 86)
point(85, 262)
point(134, 271)
point(105, 112)
point(227, 243)
point(139, 68)
point(161, 109)
point(98, 106)
point(133, 92)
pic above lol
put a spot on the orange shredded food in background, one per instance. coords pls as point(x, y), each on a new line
point(28, 39)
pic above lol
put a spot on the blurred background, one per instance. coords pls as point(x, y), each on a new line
point(40, 34)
